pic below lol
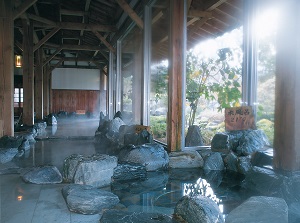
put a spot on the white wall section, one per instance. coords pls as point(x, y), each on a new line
point(76, 79)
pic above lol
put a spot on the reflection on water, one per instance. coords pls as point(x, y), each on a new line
point(201, 187)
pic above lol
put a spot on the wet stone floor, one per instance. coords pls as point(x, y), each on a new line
point(159, 193)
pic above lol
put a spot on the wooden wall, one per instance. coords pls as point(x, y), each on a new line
point(75, 100)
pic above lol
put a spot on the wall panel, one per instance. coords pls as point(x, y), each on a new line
point(75, 101)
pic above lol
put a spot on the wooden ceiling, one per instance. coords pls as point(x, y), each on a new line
point(80, 33)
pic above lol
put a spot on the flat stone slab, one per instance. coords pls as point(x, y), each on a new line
point(117, 216)
point(185, 159)
point(260, 209)
point(85, 199)
point(42, 175)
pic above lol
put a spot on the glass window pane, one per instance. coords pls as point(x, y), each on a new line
point(159, 71)
point(131, 71)
point(214, 75)
point(266, 33)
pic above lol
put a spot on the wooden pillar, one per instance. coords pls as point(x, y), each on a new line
point(103, 80)
point(28, 74)
point(6, 69)
point(38, 93)
point(46, 92)
point(177, 69)
point(287, 91)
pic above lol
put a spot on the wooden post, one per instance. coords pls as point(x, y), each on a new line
point(6, 69)
point(46, 90)
point(38, 93)
point(28, 74)
point(287, 106)
point(177, 66)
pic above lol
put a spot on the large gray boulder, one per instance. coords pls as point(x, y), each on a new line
point(95, 170)
point(185, 159)
point(29, 137)
point(107, 134)
point(197, 209)
point(42, 175)
point(262, 158)
point(260, 209)
point(151, 155)
point(193, 136)
point(7, 142)
point(244, 164)
point(231, 162)
point(138, 138)
point(40, 127)
point(115, 124)
point(294, 213)
point(25, 145)
point(243, 142)
point(291, 188)
point(7, 154)
point(117, 216)
point(265, 181)
point(51, 120)
point(86, 199)
point(252, 141)
point(220, 143)
point(134, 134)
point(226, 141)
point(214, 162)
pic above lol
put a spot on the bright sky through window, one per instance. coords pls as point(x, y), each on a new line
point(266, 23)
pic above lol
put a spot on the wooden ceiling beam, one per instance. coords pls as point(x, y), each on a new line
point(87, 5)
point(79, 66)
point(22, 8)
point(41, 19)
point(56, 65)
point(81, 47)
point(73, 47)
point(45, 23)
point(123, 4)
point(212, 4)
point(87, 27)
point(199, 23)
point(189, 3)
point(45, 39)
point(157, 17)
point(19, 45)
point(52, 56)
point(79, 59)
point(103, 40)
point(72, 12)
point(199, 13)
